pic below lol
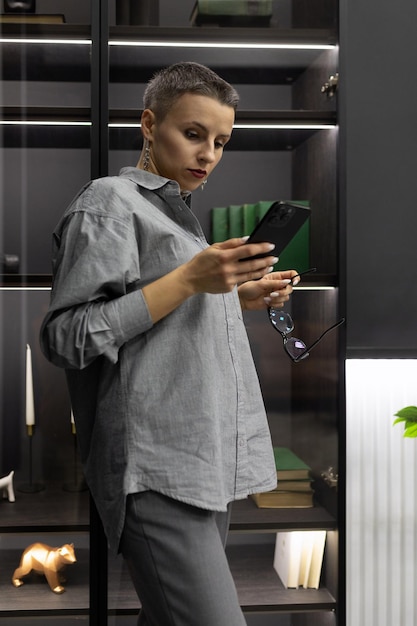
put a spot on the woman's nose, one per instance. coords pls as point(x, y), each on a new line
point(208, 153)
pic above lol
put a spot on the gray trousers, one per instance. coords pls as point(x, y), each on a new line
point(176, 558)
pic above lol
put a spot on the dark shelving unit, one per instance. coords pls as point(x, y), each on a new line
point(296, 126)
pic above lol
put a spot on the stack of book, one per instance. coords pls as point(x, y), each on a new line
point(298, 557)
point(239, 220)
point(231, 13)
point(294, 489)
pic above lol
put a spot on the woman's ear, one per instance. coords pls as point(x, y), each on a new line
point(147, 123)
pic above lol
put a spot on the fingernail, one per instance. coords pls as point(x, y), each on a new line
point(267, 300)
point(274, 294)
point(245, 238)
point(271, 246)
point(286, 280)
point(270, 269)
point(275, 260)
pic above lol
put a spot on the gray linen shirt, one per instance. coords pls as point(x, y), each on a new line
point(174, 406)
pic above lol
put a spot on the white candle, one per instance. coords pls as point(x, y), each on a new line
point(73, 429)
point(30, 404)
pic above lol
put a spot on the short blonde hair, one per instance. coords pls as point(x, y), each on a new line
point(170, 83)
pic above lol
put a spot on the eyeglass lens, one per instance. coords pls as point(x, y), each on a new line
point(281, 320)
point(296, 348)
point(283, 323)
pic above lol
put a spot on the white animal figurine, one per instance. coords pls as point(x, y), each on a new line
point(6, 485)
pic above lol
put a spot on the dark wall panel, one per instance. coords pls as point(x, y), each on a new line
point(378, 100)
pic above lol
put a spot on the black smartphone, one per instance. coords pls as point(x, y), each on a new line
point(278, 226)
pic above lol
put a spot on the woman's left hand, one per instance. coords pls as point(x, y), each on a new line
point(272, 290)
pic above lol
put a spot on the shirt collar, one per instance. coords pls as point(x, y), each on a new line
point(154, 183)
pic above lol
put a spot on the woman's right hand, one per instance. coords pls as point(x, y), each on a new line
point(219, 268)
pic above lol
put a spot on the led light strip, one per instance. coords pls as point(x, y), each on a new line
point(314, 288)
point(229, 45)
point(138, 125)
point(25, 288)
point(284, 126)
point(248, 126)
point(71, 42)
point(305, 288)
point(41, 123)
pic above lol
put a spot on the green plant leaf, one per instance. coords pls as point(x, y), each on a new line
point(411, 430)
point(408, 413)
point(408, 416)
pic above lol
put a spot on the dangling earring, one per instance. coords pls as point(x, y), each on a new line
point(203, 184)
point(147, 156)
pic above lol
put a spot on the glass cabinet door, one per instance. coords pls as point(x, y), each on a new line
point(45, 157)
point(284, 146)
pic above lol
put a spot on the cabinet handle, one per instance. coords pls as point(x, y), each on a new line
point(330, 477)
point(330, 87)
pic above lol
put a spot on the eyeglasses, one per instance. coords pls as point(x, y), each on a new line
point(282, 322)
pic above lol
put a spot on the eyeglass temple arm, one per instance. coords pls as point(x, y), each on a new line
point(309, 271)
point(307, 350)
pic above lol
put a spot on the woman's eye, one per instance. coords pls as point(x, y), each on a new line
point(191, 134)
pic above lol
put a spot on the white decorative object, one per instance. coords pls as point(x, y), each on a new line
point(6, 486)
point(30, 405)
point(73, 428)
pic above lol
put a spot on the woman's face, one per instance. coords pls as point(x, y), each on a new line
point(188, 143)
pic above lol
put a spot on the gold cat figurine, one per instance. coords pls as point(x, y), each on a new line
point(45, 560)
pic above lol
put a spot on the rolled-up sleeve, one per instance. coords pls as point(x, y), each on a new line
point(96, 302)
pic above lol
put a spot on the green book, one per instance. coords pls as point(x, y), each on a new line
point(249, 218)
point(235, 220)
point(219, 224)
point(289, 466)
point(235, 7)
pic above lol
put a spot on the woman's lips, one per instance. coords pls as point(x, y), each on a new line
point(198, 173)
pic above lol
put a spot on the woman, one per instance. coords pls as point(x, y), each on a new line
point(146, 319)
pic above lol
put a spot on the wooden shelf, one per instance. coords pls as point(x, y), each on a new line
point(52, 509)
point(243, 116)
point(25, 281)
point(45, 31)
point(201, 35)
point(39, 114)
point(259, 587)
point(247, 517)
point(254, 139)
point(45, 280)
point(56, 509)
point(57, 135)
point(45, 114)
